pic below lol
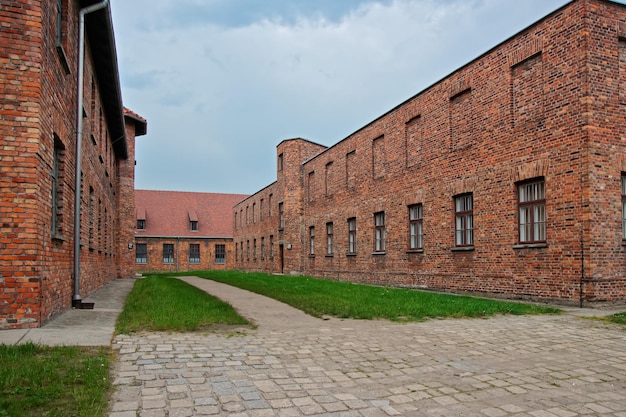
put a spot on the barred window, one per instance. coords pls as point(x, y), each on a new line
point(220, 253)
point(168, 253)
point(141, 253)
point(194, 253)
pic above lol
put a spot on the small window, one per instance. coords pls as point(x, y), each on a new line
point(416, 227)
point(254, 249)
point(281, 217)
point(532, 212)
point(312, 240)
point(329, 238)
point(194, 253)
point(280, 162)
point(193, 225)
point(141, 253)
point(380, 237)
point(464, 220)
point(271, 246)
point(58, 158)
point(141, 225)
point(262, 247)
point(220, 253)
point(168, 253)
point(352, 236)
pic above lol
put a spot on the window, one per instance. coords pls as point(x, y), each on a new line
point(329, 238)
point(312, 240)
point(168, 253)
point(281, 217)
point(352, 236)
point(280, 162)
point(532, 212)
point(59, 22)
point(220, 253)
point(56, 187)
point(141, 225)
point(271, 246)
point(194, 253)
point(236, 252)
point(416, 227)
point(254, 249)
point(247, 250)
point(141, 253)
point(464, 220)
point(623, 207)
point(253, 212)
point(379, 232)
point(262, 247)
point(261, 210)
point(193, 225)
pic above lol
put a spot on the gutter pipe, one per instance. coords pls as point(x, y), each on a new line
point(76, 299)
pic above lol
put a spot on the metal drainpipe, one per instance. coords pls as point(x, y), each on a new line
point(76, 299)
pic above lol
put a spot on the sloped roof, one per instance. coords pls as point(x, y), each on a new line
point(167, 213)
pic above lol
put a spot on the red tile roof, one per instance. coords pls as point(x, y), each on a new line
point(168, 213)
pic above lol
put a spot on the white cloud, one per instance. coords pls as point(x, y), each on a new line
point(219, 98)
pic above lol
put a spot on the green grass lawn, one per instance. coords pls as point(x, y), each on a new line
point(619, 318)
point(47, 381)
point(159, 303)
point(319, 297)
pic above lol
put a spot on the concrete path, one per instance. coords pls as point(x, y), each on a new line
point(78, 327)
point(294, 365)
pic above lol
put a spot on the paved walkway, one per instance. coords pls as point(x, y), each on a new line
point(294, 365)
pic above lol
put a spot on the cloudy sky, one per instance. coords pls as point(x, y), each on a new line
point(222, 82)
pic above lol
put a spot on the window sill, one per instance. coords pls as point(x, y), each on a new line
point(329, 255)
point(63, 58)
point(311, 256)
point(58, 238)
point(462, 249)
point(350, 254)
point(530, 246)
point(379, 253)
point(415, 251)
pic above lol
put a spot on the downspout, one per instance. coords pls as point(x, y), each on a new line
point(76, 299)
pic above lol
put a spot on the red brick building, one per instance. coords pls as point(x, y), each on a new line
point(44, 267)
point(506, 177)
point(183, 231)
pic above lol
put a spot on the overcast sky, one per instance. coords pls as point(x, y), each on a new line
point(222, 82)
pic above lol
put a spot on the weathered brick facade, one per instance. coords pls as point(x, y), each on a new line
point(183, 231)
point(545, 107)
point(38, 112)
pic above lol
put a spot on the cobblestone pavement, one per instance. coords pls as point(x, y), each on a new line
point(294, 365)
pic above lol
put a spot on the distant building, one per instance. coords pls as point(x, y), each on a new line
point(507, 177)
point(183, 231)
point(44, 268)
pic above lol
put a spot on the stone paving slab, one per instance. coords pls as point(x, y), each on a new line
point(294, 365)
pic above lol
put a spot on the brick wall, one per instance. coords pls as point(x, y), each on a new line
point(37, 110)
point(544, 105)
point(181, 259)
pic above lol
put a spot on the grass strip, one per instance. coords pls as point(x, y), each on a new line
point(619, 318)
point(319, 297)
point(67, 381)
point(159, 303)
